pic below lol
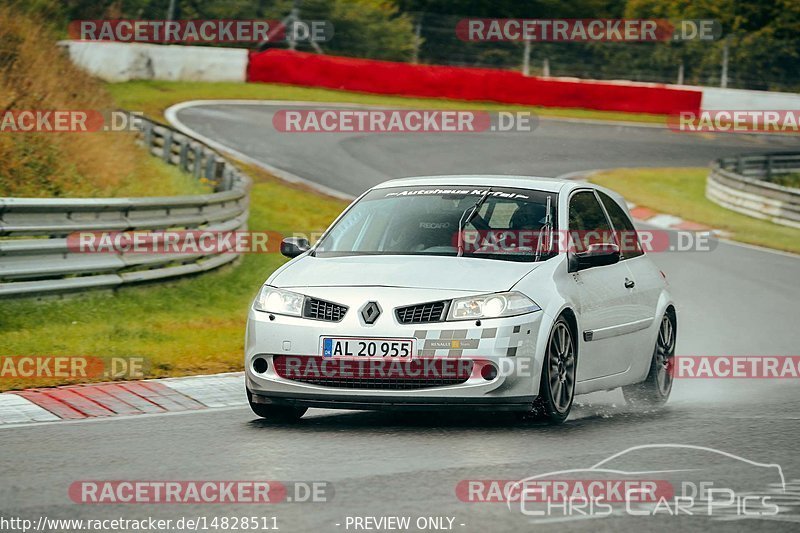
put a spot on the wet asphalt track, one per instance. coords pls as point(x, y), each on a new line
point(733, 300)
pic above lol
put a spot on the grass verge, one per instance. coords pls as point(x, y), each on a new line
point(191, 326)
point(35, 75)
point(153, 97)
point(681, 192)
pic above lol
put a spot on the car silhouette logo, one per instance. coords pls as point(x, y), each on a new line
point(370, 312)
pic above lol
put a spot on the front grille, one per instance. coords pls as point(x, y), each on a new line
point(322, 310)
point(421, 313)
point(373, 373)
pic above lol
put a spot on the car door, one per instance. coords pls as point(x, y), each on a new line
point(604, 304)
point(646, 282)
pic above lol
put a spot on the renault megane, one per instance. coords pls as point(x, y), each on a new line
point(497, 293)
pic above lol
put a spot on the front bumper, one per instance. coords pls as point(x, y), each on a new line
point(510, 344)
point(395, 403)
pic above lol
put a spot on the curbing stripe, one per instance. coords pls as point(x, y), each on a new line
point(104, 400)
point(163, 396)
point(53, 405)
point(221, 390)
point(78, 402)
point(692, 226)
point(100, 396)
point(121, 392)
point(642, 213)
point(16, 409)
point(664, 221)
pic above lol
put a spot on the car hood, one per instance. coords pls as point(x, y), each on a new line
point(429, 272)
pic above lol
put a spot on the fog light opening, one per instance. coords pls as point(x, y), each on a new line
point(260, 365)
point(488, 372)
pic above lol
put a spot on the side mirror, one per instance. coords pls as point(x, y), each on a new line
point(600, 254)
point(294, 246)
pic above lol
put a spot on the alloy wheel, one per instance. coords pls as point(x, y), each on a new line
point(665, 355)
point(561, 358)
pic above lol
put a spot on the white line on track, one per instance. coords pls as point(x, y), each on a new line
point(122, 417)
point(172, 117)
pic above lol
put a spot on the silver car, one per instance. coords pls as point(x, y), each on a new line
point(499, 293)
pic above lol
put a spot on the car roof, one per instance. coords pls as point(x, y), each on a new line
point(539, 183)
point(484, 180)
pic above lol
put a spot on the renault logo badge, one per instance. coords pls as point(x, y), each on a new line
point(370, 312)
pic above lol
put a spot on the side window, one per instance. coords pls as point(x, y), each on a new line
point(587, 222)
point(626, 234)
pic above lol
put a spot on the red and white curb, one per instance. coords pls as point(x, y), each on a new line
point(663, 221)
point(102, 400)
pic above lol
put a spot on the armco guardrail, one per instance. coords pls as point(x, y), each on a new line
point(740, 184)
point(34, 255)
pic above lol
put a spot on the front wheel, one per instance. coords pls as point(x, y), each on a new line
point(557, 386)
point(276, 413)
point(655, 389)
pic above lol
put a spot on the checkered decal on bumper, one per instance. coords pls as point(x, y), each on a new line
point(477, 341)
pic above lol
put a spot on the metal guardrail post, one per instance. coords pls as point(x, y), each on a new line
point(147, 128)
point(211, 167)
point(198, 161)
point(167, 154)
point(183, 162)
point(227, 178)
point(219, 177)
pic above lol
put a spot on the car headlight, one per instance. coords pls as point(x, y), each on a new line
point(491, 306)
point(278, 301)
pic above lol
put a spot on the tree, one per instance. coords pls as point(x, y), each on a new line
point(763, 37)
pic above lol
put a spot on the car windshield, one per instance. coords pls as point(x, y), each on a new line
point(509, 224)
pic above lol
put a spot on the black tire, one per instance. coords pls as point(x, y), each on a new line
point(654, 391)
point(276, 413)
point(557, 385)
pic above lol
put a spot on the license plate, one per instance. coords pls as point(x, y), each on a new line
point(400, 349)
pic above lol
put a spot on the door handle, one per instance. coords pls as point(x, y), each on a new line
point(629, 283)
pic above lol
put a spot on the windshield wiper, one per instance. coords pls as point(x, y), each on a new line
point(469, 213)
point(546, 227)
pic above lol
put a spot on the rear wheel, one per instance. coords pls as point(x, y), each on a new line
point(656, 388)
point(276, 413)
point(557, 386)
